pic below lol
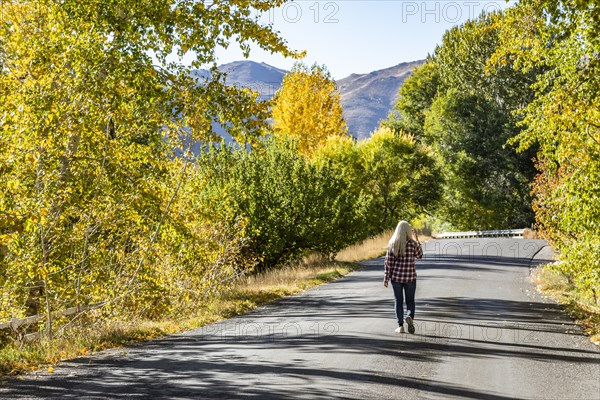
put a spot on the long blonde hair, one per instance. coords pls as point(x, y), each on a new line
point(397, 244)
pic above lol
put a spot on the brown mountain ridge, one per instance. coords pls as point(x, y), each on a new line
point(366, 98)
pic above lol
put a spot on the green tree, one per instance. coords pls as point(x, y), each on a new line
point(563, 39)
point(389, 175)
point(402, 179)
point(293, 206)
point(467, 131)
point(467, 113)
point(342, 154)
point(415, 98)
point(307, 107)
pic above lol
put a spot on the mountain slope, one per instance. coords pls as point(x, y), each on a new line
point(260, 77)
point(366, 98)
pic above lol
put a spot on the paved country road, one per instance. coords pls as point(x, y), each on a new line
point(482, 333)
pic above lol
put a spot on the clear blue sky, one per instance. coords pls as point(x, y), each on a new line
point(359, 36)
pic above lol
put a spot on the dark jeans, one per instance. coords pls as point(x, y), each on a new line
point(400, 289)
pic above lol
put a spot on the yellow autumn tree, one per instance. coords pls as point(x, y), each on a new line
point(96, 171)
point(307, 108)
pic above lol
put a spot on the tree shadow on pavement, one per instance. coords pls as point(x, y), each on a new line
point(281, 351)
point(173, 375)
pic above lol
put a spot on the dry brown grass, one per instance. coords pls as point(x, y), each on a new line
point(293, 275)
point(367, 249)
point(548, 280)
point(529, 234)
point(370, 248)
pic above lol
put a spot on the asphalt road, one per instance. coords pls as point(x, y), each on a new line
point(482, 333)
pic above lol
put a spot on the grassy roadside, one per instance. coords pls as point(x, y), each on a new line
point(370, 248)
point(255, 290)
point(556, 286)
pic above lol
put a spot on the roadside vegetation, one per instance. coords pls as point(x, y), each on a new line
point(553, 283)
point(561, 123)
point(244, 295)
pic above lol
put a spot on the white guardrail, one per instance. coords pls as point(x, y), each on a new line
point(512, 233)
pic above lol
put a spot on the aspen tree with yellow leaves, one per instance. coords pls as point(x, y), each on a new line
point(307, 108)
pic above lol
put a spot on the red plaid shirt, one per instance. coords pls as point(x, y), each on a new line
point(402, 269)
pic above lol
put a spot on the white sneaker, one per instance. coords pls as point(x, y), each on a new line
point(399, 329)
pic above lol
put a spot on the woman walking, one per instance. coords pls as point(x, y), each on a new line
point(400, 270)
